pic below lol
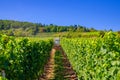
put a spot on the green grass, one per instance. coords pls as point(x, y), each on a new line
point(52, 35)
point(59, 69)
point(34, 38)
point(67, 34)
point(46, 35)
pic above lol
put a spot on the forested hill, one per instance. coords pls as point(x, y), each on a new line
point(17, 28)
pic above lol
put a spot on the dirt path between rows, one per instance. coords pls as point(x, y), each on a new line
point(69, 73)
point(49, 67)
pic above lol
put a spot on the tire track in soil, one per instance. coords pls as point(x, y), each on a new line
point(69, 73)
point(49, 67)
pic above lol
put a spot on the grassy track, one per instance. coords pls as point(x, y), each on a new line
point(58, 67)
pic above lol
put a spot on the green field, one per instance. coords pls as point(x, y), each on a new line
point(22, 58)
point(92, 57)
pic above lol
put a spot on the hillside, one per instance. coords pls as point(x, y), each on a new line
point(18, 28)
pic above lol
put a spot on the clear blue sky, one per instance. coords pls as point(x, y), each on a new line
point(99, 14)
